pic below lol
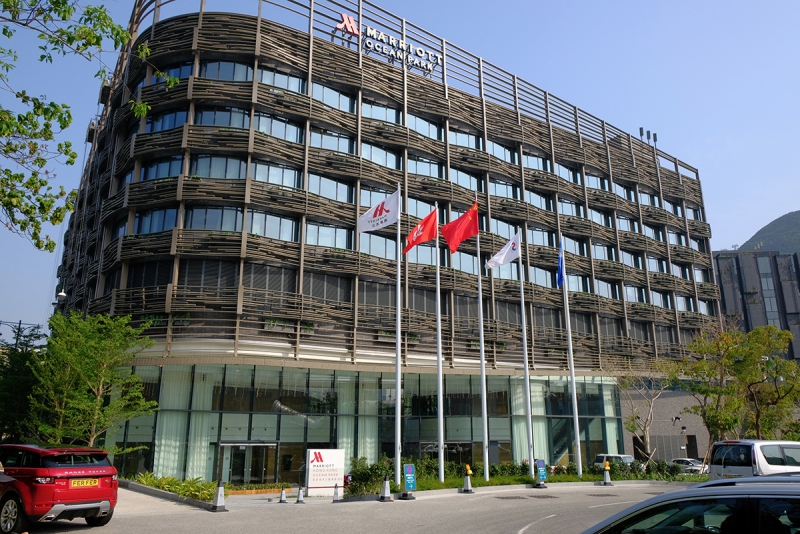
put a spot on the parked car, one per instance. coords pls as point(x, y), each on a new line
point(690, 465)
point(748, 457)
point(601, 459)
point(754, 505)
point(47, 484)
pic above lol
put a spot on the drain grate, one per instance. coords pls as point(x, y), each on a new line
point(512, 498)
point(601, 495)
point(542, 496)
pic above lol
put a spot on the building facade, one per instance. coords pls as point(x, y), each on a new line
point(227, 216)
point(760, 288)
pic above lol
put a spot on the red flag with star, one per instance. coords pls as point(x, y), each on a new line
point(461, 229)
point(424, 231)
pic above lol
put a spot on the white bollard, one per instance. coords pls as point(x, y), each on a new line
point(336, 492)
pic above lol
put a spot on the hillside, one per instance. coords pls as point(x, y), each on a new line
point(782, 235)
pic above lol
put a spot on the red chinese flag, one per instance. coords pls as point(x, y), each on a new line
point(422, 232)
point(462, 228)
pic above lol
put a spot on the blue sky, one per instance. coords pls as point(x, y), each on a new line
point(718, 81)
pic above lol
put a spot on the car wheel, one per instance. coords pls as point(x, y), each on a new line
point(99, 521)
point(12, 516)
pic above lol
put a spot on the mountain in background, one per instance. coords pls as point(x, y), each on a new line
point(781, 235)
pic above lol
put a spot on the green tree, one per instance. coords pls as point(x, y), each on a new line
point(16, 379)
point(84, 386)
point(29, 124)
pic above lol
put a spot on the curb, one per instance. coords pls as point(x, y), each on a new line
point(166, 495)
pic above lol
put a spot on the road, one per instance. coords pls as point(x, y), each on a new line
point(562, 508)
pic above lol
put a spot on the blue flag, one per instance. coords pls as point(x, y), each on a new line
point(560, 274)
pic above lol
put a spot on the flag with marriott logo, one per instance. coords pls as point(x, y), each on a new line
point(461, 229)
point(507, 254)
point(382, 214)
point(422, 232)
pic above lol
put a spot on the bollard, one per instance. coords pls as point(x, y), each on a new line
point(219, 499)
point(468, 481)
point(336, 492)
point(283, 496)
point(607, 475)
point(300, 495)
point(386, 493)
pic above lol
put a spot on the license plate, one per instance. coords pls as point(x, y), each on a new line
point(84, 482)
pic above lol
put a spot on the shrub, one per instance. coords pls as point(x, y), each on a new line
point(193, 488)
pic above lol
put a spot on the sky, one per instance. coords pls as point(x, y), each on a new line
point(718, 81)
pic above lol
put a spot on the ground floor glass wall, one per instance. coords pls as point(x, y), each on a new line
point(253, 424)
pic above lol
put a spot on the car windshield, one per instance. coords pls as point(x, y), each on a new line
point(76, 460)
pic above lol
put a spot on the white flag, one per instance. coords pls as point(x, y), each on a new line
point(507, 254)
point(382, 214)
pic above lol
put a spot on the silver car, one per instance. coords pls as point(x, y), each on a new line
point(757, 505)
point(690, 465)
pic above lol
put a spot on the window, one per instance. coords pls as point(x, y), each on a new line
point(328, 287)
point(333, 98)
point(152, 221)
point(281, 81)
point(425, 127)
point(376, 294)
point(423, 254)
point(381, 112)
point(601, 217)
point(681, 271)
point(218, 167)
point(376, 245)
point(424, 300)
point(504, 153)
point(272, 226)
point(465, 139)
point(694, 214)
point(329, 140)
point(498, 188)
point(705, 307)
point(673, 207)
point(661, 299)
point(602, 251)
point(502, 228)
point(222, 116)
point(701, 275)
point(656, 265)
point(543, 277)
point(627, 224)
point(208, 218)
point(180, 71)
point(506, 272)
point(539, 163)
point(381, 156)
point(540, 201)
point(328, 188)
point(568, 174)
point(568, 207)
point(597, 182)
point(676, 238)
point(226, 70)
point(653, 233)
point(539, 236)
point(634, 294)
point(370, 197)
point(162, 168)
point(466, 180)
point(575, 246)
point(684, 303)
point(329, 236)
point(262, 171)
point(698, 244)
point(120, 228)
point(468, 263)
point(581, 322)
point(425, 167)
point(578, 283)
point(419, 208)
point(626, 192)
point(165, 121)
point(632, 259)
point(112, 281)
point(203, 274)
point(273, 279)
point(640, 331)
point(610, 327)
point(605, 289)
point(649, 199)
point(150, 273)
point(455, 213)
point(279, 127)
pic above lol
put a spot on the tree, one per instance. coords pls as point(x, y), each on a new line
point(84, 385)
point(29, 124)
point(16, 380)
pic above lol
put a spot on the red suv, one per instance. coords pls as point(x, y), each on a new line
point(55, 483)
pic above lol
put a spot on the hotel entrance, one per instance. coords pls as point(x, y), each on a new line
point(248, 462)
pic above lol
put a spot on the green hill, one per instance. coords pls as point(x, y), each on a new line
point(782, 235)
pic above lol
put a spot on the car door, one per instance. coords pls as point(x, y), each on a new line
point(707, 514)
point(778, 515)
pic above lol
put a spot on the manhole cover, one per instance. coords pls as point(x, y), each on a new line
point(542, 496)
point(601, 495)
point(515, 497)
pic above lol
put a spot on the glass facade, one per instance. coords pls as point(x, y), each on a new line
point(251, 424)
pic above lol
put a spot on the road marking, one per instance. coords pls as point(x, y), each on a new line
point(523, 529)
point(612, 504)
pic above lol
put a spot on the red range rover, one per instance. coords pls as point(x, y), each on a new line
point(55, 483)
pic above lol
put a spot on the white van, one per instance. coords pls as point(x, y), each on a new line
point(749, 457)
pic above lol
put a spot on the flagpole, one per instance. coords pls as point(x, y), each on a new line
point(525, 358)
point(398, 401)
point(574, 386)
point(484, 418)
point(439, 385)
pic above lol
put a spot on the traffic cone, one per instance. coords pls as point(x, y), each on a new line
point(336, 492)
point(607, 475)
point(300, 496)
point(468, 481)
point(283, 496)
point(219, 499)
point(386, 494)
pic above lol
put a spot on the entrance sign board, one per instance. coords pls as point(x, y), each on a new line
point(410, 477)
point(324, 469)
point(541, 470)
